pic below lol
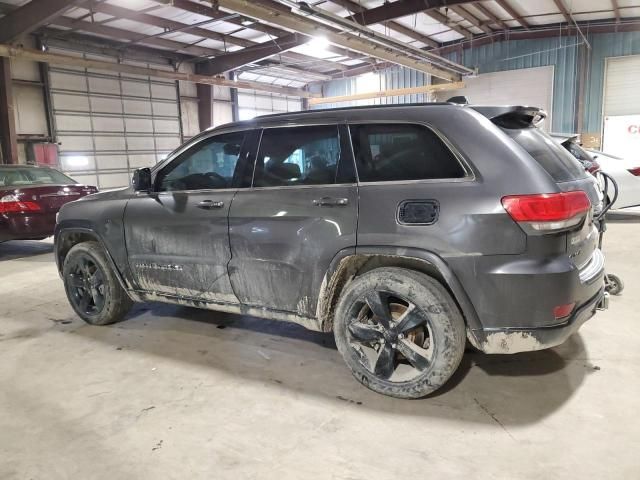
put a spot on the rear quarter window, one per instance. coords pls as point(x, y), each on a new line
point(549, 154)
point(396, 152)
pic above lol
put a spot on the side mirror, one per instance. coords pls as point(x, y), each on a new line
point(142, 180)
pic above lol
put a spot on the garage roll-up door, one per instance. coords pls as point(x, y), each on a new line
point(526, 86)
point(621, 92)
point(108, 124)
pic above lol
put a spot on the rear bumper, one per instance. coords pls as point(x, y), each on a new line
point(25, 227)
point(514, 340)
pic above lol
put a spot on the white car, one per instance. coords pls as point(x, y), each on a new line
point(626, 173)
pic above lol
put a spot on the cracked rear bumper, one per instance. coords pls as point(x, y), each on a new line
point(514, 340)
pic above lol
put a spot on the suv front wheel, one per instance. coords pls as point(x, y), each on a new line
point(400, 332)
point(92, 287)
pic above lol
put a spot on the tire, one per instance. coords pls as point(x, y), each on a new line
point(614, 284)
point(417, 352)
point(92, 288)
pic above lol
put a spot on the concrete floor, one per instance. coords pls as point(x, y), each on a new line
point(180, 393)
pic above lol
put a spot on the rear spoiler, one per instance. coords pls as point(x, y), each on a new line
point(513, 116)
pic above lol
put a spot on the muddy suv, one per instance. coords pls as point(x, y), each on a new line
point(404, 230)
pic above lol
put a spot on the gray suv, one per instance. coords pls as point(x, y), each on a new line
point(404, 230)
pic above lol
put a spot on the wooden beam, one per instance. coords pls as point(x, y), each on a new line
point(447, 22)
point(563, 10)
point(309, 27)
point(8, 136)
point(515, 15)
point(388, 93)
point(616, 10)
point(30, 17)
point(469, 17)
point(54, 58)
point(487, 13)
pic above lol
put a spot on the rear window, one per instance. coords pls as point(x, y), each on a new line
point(16, 177)
point(387, 152)
point(551, 156)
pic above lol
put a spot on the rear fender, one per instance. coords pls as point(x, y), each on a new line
point(348, 264)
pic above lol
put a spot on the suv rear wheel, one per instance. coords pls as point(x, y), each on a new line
point(92, 287)
point(400, 332)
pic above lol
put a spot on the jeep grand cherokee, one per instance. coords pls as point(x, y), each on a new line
point(404, 230)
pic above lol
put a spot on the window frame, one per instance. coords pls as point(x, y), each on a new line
point(199, 143)
point(469, 174)
point(346, 148)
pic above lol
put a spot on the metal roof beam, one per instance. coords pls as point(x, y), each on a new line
point(563, 10)
point(310, 27)
point(246, 56)
point(436, 15)
point(357, 9)
point(30, 17)
point(214, 13)
point(402, 8)
point(487, 13)
point(616, 10)
point(469, 17)
point(511, 11)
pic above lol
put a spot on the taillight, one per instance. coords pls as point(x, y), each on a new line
point(635, 171)
point(548, 211)
point(562, 311)
point(12, 204)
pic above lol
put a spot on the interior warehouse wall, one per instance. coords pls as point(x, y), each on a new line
point(559, 52)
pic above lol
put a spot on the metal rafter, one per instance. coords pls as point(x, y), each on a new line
point(30, 17)
point(514, 14)
point(309, 27)
point(563, 10)
point(487, 13)
point(255, 53)
point(472, 19)
point(357, 9)
point(272, 31)
point(616, 10)
point(402, 8)
point(447, 22)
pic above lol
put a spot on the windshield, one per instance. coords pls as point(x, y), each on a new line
point(21, 176)
point(557, 161)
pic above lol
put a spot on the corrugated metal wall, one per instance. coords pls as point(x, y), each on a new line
point(561, 52)
point(394, 77)
point(517, 54)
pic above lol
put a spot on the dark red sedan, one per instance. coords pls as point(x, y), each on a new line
point(30, 197)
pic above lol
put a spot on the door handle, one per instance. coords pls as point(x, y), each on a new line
point(209, 204)
point(331, 202)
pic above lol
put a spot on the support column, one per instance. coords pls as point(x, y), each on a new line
point(205, 102)
point(235, 110)
point(8, 136)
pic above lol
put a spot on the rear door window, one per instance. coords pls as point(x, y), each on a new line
point(290, 156)
point(393, 152)
point(551, 156)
